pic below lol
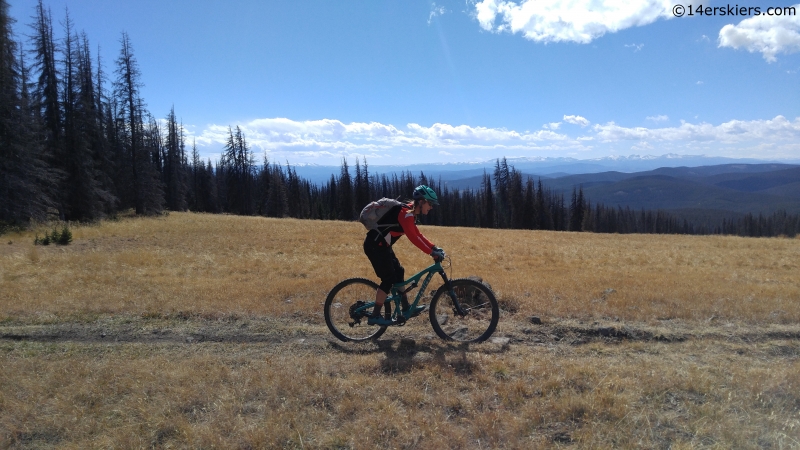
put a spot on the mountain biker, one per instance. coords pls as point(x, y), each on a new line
point(395, 223)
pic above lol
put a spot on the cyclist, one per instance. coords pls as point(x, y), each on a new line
point(395, 223)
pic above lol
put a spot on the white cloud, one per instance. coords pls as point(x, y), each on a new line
point(777, 129)
point(578, 21)
point(635, 47)
point(334, 135)
point(766, 34)
point(326, 141)
point(576, 120)
point(435, 12)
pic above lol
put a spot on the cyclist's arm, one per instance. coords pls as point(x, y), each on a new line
point(406, 220)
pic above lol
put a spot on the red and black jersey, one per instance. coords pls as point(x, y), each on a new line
point(400, 221)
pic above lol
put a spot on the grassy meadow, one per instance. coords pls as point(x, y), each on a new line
point(206, 331)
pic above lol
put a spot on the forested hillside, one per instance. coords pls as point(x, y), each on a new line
point(77, 143)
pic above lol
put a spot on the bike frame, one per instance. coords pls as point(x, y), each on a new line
point(396, 294)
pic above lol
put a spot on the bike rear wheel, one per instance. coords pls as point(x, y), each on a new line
point(477, 300)
point(341, 316)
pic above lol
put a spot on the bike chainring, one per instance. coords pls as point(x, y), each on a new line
point(355, 314)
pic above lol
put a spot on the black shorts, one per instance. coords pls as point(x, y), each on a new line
point(387, 266)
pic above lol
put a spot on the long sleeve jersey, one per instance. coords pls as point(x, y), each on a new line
point(400, 221)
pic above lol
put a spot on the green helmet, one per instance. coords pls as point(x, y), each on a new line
point(423, 192)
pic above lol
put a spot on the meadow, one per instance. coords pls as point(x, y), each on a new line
point(206, 331)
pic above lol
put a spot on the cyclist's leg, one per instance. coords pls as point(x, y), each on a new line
point(399, 277)
point(385, 263)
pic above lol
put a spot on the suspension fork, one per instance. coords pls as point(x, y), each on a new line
point(458, 310)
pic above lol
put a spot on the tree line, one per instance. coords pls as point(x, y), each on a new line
point(79, 144)
point(75, 142)
point(505, 199)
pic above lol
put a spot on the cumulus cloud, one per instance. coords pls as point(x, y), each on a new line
point(334, 135)
point(578, 21)
point(328, 140)
point(777, 129)
point(769, 35)
point(576, 120)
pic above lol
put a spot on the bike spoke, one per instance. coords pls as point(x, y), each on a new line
point(346, 310)
point(478, 303)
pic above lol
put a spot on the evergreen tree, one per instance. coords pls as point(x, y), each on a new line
point(544, 220)
point(345, 190)
point(516, 199)
point(501, 194)
point(277, 203)
point(140, 150)
point(174, 170)
point(362, 186)
point(488, 217)
point(193, 198)
point(529, 206)
point(24, 175)
point(576, 210)
point(46, 94)
point(208, 196)
point(83, 197)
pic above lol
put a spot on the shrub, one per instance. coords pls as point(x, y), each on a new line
point(60, 238)
point(66, 236)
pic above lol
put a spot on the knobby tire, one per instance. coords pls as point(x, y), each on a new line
point(337, 310)
point(477, 299)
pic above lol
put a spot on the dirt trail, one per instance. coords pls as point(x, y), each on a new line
point(194, 330)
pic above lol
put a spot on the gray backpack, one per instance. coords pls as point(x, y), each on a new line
point(375, 210)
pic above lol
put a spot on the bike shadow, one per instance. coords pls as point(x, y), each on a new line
point(404, 354)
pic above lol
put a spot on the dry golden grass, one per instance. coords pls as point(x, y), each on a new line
point(111, 342)
point(228, 265)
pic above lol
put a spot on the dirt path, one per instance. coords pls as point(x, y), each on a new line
point(195, 330)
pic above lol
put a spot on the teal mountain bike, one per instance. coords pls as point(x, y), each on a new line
point(462, 309)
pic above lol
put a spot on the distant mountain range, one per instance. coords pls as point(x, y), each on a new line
point(705, 194)
point(702, 194)
point(700, 189)
point(545, 167)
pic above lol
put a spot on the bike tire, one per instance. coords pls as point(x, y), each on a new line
point(337, 310)
point(477, 300)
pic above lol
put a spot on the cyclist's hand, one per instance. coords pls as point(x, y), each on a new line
point(437, 254)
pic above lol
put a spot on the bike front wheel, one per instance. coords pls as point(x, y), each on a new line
point(476, 300)
point(345, 312)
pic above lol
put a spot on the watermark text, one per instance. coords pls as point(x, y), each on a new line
point(732, 10)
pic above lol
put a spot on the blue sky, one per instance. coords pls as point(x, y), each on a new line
point(451, 81)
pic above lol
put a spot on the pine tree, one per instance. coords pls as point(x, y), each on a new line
point(488, 204)
point(345, 189)
point(83, 196)
point(529, 206)
point(140, 148)
point(46, 95)
point(193, 196)
point(278, 203)
point(576, 211)
point(24, 175)
point(516, 199)
point(174, 170)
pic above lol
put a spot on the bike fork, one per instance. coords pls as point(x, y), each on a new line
point(458, 310)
